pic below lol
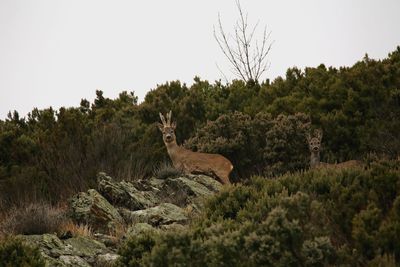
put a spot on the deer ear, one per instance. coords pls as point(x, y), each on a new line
point(319, 134)
point(160, 126)
point(173, 125)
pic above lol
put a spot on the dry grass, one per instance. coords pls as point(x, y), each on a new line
point(166, 170)
point(35, 218)
point(76, 230)
point(119, 231)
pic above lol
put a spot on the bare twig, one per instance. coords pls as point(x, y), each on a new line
point(247, 58)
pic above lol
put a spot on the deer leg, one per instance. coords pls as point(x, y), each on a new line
point(223, 177)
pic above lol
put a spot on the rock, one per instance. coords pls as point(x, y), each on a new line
point(107, 240)
point(124, 194)
point(207, 181)
point(165, 213)
point(156, 183)
point(77, 251)
point(49, 244)
point(108, 259)
point(66, 260)
point(93, 209)
point(183, 191)
point(190, 187)
point(85, 247)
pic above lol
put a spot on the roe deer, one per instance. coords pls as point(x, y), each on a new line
point(193, 162)
point(314, 144)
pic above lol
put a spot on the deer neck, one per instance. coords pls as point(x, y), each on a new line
point(315, 159)
point(172, 148)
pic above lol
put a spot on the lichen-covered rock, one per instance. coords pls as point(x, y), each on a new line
point(165, 213)
point(108, 259)
point(184, 191)
point(124, 194)
point(71, 261)
point(49, 244)
point(85, 247)
point(209, 182)
point(156, 183)
point(93, 209)
point(189, 187)
point(77, 251)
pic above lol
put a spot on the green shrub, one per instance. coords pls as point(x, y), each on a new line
point(14, 253)
point(313, 218)
point(256, 145)
point(136, 250)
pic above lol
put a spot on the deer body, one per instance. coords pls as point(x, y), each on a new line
point(188, 161)
point(314, 144)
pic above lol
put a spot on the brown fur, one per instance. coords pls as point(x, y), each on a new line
point(193, 162)
point(314, 144)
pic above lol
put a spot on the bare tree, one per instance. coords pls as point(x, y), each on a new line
point(247, 56)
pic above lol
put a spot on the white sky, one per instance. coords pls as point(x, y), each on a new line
point(54, 52)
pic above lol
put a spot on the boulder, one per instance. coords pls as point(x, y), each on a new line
point(209, 182)
point(124, 194)
point(108, 259)
point(185, 190)
point(165, 213)
point(71, 261)
point(188, 186)
point(93, 209)
point(77, 251)
point(85, 247)
point(48, 244)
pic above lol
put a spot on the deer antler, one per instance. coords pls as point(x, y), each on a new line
point(169, 115)
point(319, 134)
point(162, 119)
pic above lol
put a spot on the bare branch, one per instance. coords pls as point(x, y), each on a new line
point(247, 56)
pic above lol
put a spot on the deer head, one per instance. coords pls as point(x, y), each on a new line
point(167, 128)
point(314, 142)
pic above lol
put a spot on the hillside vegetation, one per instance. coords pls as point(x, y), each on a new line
point(277, 213)
point(51, 154)
point(314, 218)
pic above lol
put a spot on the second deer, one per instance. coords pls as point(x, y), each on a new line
point(314, 144)
point(188, 161)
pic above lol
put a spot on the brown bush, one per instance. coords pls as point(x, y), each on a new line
point(36, 218)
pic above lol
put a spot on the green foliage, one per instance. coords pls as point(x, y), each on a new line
point(256, 145)
point(136, 250)
point(14, 253)
point(313, 218)
point(52, 154)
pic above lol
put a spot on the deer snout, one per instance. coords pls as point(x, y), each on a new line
point(168, 137)
point(315, 148)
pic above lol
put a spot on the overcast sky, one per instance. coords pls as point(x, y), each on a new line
point(54, 52)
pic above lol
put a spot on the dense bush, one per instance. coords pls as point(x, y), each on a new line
point(52, 154)
point(314, 218)
point(256, 145)
point(14, 253)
